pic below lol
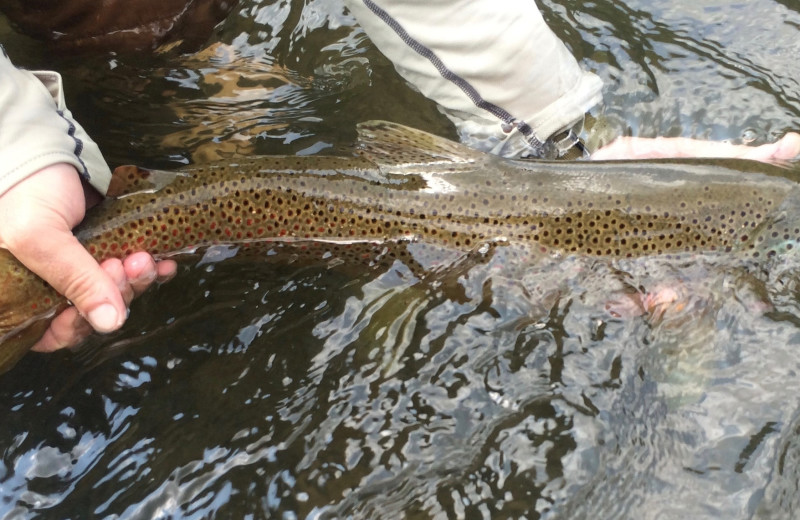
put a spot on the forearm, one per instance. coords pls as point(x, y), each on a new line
point(498, 70)
point(37, 130)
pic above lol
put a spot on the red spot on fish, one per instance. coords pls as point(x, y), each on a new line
point(34, 306)
point(48, 301)
point(228, 232)
point(260, 231)
point(103, 245)
point(140, 240)
point(175, 232)
point(213, 225)
point(282, 233)
point(249, 222)
point(92, 250)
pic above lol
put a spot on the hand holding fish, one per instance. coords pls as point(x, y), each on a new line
point(637, 148)
point(37, 229)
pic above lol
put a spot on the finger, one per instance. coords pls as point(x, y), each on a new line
point(131, 276)
point(62, 261)
point(166, 269)
point(66, 330)
point(786, 149)
point(789, 147)
point(140, 270)
point(116, 270)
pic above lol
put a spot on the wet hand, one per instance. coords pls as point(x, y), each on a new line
point(38, 215)
point(786, 149)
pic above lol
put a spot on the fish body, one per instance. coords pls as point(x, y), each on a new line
point(407, 185)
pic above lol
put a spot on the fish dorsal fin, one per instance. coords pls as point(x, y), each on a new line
point(128, 179)
point(399, 149)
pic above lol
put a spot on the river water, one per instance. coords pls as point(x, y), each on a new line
point(249, 389)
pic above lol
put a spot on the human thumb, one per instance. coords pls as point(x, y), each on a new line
point(58, 258)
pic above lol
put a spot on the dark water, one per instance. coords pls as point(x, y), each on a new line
point(246, 389)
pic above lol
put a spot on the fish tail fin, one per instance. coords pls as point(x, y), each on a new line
point(401, 149)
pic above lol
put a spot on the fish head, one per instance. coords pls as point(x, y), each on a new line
point(27, 306)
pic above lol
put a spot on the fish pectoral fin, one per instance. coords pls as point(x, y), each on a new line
point(399, 149)
point(127, 180)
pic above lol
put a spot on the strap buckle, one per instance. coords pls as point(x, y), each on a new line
point(566, 144)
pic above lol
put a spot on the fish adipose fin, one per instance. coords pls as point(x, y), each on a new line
point(399, 149)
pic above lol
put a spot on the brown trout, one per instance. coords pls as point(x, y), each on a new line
point(407, 185)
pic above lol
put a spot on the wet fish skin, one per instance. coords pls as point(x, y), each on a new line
point(409, 185)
